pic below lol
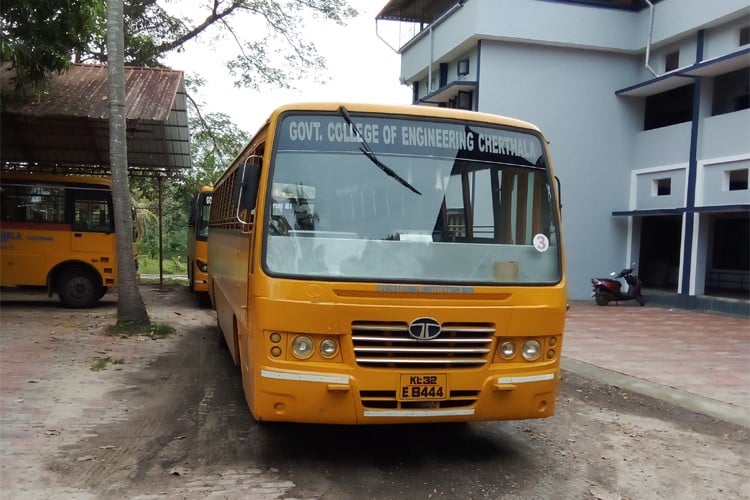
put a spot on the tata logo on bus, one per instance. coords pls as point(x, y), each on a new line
point(424, 328)
point(6, 236)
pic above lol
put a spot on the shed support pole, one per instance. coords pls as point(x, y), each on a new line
point(161, 255)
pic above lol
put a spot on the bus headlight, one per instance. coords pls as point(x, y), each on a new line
point(202, 266)
point(507, 350)
point(302, 347)
point(328, 348)
point(531, 350)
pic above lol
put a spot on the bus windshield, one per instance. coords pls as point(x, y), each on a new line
point(202, 213)
point(384, 198)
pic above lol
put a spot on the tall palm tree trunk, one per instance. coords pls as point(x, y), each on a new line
point(130, 306)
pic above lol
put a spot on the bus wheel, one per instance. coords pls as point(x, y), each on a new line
point(77, 288)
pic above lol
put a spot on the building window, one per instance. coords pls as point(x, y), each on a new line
point(731, 92)
point(465, 100)
point(669, 108)
point(463, 67)
point(744, 36)
point(731, 237)
point(443, 74)
point(662, 187)
point(736, 180)
point(673, 61)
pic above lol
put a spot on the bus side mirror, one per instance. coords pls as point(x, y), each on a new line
point(246, 186)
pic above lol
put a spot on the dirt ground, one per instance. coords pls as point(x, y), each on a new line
point(84, 414)
point(55, 381)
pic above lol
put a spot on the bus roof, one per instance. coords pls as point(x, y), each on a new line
point(55, 178)
point(407, 110)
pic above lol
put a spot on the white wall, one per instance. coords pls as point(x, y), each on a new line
point(726, 134)
point(662, 146)
point(724, 39)
point(646, 196)
point(570, 95)
point(676, 18)
point(559, 24)
point(715, 184)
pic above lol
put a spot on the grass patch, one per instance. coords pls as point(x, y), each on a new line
point(147, 265)
point(133, 329)
point(168, 279)
point(159, 331)
point(101, 363)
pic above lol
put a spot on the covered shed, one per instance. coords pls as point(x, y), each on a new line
point(65, 127)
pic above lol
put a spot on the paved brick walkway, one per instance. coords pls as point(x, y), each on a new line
point(700, 353)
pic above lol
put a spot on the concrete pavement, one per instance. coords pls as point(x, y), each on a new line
point(696, 360)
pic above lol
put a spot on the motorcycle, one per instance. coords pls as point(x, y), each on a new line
point(608, 289)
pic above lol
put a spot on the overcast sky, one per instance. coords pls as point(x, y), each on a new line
point(361, 67)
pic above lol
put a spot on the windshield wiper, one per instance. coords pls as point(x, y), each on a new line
point(368, 152)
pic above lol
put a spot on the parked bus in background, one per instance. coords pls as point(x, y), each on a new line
point(389, 264)
point(58, 232)
point(197, 247)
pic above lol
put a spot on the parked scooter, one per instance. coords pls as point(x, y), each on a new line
point(608, 289)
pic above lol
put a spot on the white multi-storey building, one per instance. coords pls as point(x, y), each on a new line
point(646, 104)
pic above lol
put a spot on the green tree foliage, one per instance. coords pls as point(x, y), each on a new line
point(40, 37)
point(214, 142)
point(43, 36)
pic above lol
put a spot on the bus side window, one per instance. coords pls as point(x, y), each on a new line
point(81, 222)
point(83, 216)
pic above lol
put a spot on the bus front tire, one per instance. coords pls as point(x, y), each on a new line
point(77, 288)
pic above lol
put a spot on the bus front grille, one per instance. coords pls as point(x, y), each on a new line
point(386, 400)
point(390, 345)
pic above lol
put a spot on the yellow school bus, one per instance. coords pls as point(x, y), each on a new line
point(58, 233)
point(376, 264)
point(197, 245)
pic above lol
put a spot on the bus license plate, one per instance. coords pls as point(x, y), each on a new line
point(424, 387)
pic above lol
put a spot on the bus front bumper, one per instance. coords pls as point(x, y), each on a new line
point(332, 398)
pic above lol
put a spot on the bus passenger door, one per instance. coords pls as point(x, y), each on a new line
point(93, 236)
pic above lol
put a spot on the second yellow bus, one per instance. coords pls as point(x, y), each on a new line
point(197, 244)
point(58, 233)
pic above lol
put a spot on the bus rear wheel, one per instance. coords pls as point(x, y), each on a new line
point(78, 288)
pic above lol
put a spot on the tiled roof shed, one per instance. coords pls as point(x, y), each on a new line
point(66, 126)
